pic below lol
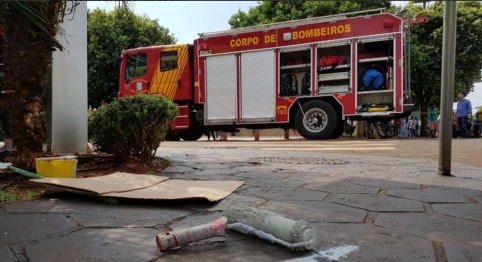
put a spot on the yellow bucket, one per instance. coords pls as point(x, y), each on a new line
point(60, 167)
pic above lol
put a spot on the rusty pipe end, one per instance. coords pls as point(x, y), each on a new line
point(159, 243)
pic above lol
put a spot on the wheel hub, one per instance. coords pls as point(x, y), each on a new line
point(315, 120)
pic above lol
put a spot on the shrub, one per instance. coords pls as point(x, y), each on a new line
point(132, 126)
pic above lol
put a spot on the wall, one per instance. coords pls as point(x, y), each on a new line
point(69, 86)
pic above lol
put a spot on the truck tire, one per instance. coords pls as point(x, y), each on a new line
point(172, 136)
point(339, 130)
point(320, 120)
point(190, 135)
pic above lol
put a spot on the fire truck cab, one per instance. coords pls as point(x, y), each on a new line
point(310, 74)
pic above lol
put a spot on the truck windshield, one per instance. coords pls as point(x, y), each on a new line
point(136, 66)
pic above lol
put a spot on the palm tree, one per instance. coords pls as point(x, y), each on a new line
point(28, 33)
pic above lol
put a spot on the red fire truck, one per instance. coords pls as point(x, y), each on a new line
point(310, 74)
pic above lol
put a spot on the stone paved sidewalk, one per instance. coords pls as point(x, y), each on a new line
point(390, 209)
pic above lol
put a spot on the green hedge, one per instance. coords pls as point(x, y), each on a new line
point(132, 126)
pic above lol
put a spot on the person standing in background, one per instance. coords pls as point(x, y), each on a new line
point(411, 127)
point(477, 124)
point(455, 127)
point(433, 120)
point(402, 131)
point(463, 113)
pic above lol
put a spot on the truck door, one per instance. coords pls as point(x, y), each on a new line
point(172, 77)
point(135, 74)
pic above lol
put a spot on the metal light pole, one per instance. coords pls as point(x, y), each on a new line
point(447, 90)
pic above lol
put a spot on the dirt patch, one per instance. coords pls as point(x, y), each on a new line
point(22, 189)
point(89, 170)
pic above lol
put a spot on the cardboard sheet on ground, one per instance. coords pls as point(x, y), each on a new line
point(183, 189)
point(134, 186)
point(115, 182)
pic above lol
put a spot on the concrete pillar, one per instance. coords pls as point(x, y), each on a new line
point(447, 90)
point(68, 119)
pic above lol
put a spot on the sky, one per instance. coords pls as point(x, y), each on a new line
point(185, 19)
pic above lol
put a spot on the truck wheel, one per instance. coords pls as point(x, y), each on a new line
point(190, 135)
point(171, 136)
point(319, 121)
point(339, 130)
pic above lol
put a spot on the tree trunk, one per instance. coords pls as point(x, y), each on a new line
point(424, 120)
point(27, 53)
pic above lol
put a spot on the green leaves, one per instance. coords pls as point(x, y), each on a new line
point(280, 11)
point(132, 126)
point(427, 51)
point(108, 34)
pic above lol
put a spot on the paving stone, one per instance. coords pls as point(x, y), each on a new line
point(463, 251)
point(377, 203)
point(6, 254)
point(464, 211)
point(243, 190)
point(315, 211)
point(342, 170)
point(262, 175)
point(250, 248)
point(274, 182)
point(429, 195)
point(319, 179)
point(290, 194)
point(253, 168)
point(341, 187)
point(177, 169)
point(375, 243)
point(458, 190)
point(45, 205)
point(315, 177)
point(20, 228)
point(383, 183)
point(128, 216)
point(98, 214)
point(134, 244)
point(232, 199)
point(478, 199)
point(209, 175)
point(432, 226)
point(211, 166)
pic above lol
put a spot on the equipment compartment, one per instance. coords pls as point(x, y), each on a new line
point(375, 63)
point(295, 68)
point(333, 67)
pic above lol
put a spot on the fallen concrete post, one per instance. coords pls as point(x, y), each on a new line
point(193, 234)
point(296, 235)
